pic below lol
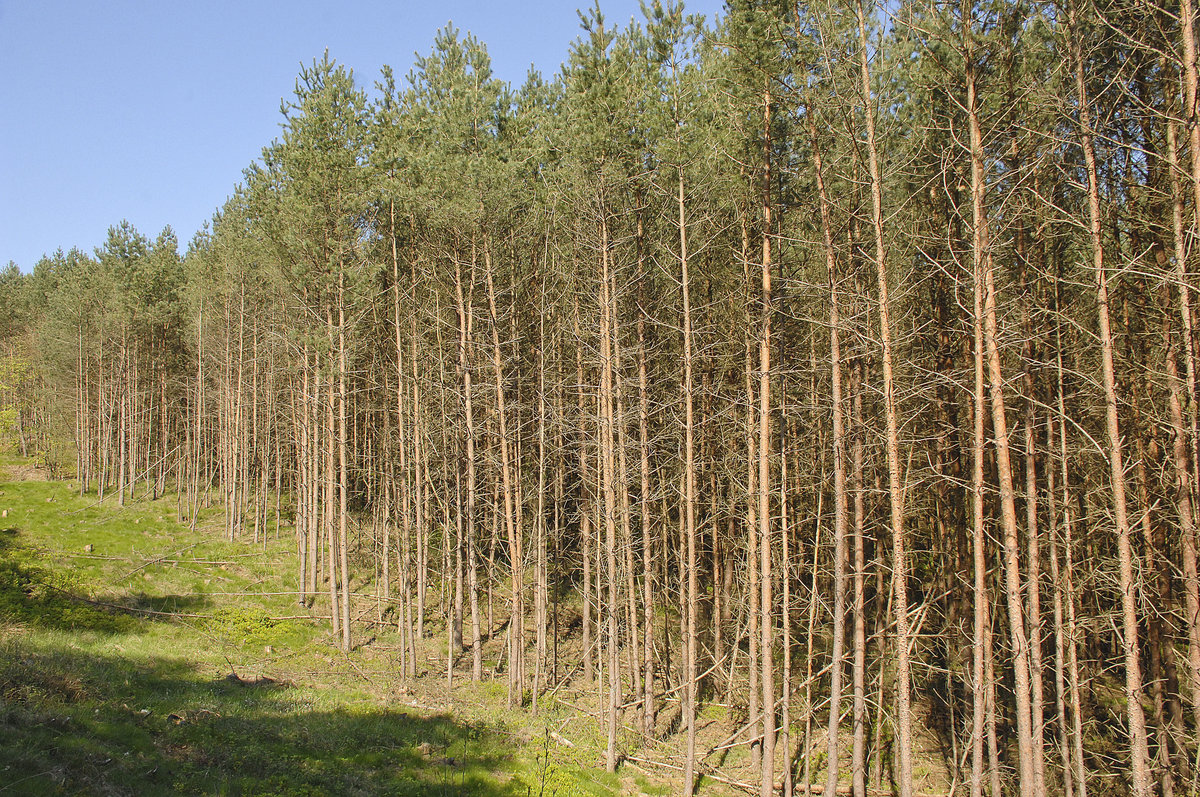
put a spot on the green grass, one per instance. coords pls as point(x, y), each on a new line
point(186, 689)
point(139, 656)
point(80, 721)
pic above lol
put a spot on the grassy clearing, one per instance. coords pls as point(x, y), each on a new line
point(140, 657)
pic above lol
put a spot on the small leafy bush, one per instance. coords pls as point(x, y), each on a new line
point(250, 624)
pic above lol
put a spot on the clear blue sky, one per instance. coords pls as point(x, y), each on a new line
point(149, 111)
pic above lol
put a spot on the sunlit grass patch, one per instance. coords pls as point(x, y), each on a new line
point(138, 656)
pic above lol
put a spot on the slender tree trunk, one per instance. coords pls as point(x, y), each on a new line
point(1060, 669)
point(752, 487)
point(839, 474)
point(858, 760)
point(982, 265)
point(764, 476)
point(648, 724)
point(786, 577)
point(982, 619)
point(1069, 580)
point(904, 774)
point(516, 632)
point(1183, 440)
point(343, 475)
point(1139, 752)
point(609, 499)
point(540, 586)
point(465, 323)
point(585, 533)
point(331, 478)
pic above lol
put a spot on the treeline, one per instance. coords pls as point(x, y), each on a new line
point(834, 365)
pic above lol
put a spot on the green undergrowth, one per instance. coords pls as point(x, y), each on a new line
point(138, 656)
point(80, 721)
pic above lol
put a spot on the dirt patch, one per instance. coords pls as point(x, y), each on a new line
point(23, 472)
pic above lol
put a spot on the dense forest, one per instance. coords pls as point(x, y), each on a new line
point(830, 362)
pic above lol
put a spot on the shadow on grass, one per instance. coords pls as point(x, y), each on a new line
point(160, 606)
point(73, 723)
point(38, 596)
point(42, 597)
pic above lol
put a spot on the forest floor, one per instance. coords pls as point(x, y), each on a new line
point(140, 656)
